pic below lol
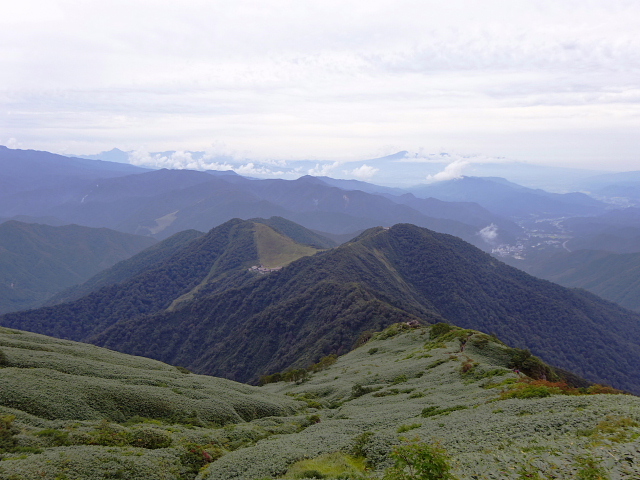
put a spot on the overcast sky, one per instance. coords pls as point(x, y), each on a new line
point(554, 82)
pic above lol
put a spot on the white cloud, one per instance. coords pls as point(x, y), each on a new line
point(363, 172)
point(323, 170)
point(252, 169)
point(186, 160)
point(451, 172)
point(489, 233)
point(141, 158)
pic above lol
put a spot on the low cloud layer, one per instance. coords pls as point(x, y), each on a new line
point(363, 172)
point(489, 233)
point(451, 172)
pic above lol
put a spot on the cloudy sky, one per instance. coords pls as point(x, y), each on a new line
point(552, 82)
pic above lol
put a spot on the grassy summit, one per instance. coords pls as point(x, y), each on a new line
point(277, 250)
point(136, 418)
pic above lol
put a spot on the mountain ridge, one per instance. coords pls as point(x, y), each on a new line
point(241, 325)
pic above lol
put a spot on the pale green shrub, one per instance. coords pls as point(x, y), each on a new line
point(419, 461)
point(332, 465)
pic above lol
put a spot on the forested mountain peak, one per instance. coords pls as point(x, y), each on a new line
point(206, 308)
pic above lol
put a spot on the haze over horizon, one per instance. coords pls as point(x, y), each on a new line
point(549, 83)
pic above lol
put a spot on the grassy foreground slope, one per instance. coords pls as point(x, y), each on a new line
point(341, 422)
point(64, 380)
point(405, 383)
point(70, 410)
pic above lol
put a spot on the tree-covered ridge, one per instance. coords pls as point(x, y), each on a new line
point(613, 276)
point(37, 261)
point(203, 309)
point(129, 268)
point(175, 271)
point(460, 394)
point(151, 290)
point(320, 305)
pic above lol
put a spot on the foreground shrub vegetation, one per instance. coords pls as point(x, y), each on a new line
point(409, 403)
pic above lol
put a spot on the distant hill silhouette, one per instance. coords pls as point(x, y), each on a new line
point(508, 199)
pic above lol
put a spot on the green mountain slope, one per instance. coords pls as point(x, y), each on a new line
point(322, 304)
point(207, 263)
point(614, 276)
point(277, 250)
point(204, 310)
point(109, 415)
point(129, 268)
point(37, 261)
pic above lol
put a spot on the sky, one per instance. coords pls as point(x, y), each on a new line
point(537, 81)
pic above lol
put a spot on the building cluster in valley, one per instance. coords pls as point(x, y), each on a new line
point(515, 251)
point(263, 270)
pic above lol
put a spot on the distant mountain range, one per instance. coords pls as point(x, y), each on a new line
point(400, 169)
point(204, 309)
point(365, 311)
point(163, 202)
point(508, 199)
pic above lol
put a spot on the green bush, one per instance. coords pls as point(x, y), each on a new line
point(406, 428)
point(392, 331)
point(149, 438)
point(310, 474)
point(436, 363)
point(440, 329)
point(109, 435)
point(358, 390)
point(419, 461)
point(7, 432)
point(324, 363)
point(530, 365)
point(433, 410)
point(195, 456)
point(360, 442)
point(399, 379)
point(331, 465)
point(590, 469)
point(4, 361)
point(58, 438)
point(531, 390)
